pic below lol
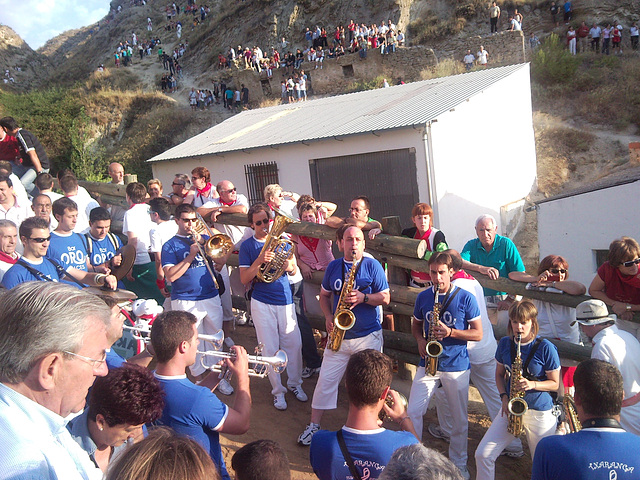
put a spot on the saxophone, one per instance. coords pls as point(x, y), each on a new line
point(570, 414)
point(344, 318)
point(517, 405)
point(434, 347)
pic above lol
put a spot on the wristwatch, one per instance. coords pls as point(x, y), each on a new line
point(366, 298)
point(628, 307)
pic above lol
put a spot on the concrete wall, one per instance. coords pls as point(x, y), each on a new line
point(576, 226)
point(505, 48)
point(484, 157)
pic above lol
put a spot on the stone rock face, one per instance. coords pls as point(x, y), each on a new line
point(27, 67)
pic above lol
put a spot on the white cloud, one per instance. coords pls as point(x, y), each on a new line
point(52, 17)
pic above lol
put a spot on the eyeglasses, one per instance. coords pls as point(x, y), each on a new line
point(174, 184)
point(556, 271)
point(230, 191)
point(41, 239)
point(356, 209)
point(96, 364)
point(260, 222)
point(631, 263)
point(188, 220)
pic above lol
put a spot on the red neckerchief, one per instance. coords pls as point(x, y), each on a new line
point(461, 274)
point(424, 237)
point(204, 191)
point(225, 203)
point(310, 242)
point(633, 280)
point(5, 257)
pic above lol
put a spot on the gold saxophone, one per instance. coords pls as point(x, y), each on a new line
point(517, 405)
point(434, 347)
point(344, 318)
point(282, 248)
point(570, 414)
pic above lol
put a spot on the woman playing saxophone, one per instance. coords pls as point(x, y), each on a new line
point(539, 375)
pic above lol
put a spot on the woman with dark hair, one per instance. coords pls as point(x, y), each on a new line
point(120, 404)
point(163, 455)
point(423, 229)
point(540, 375)
point(202, 191)
point(617, 283)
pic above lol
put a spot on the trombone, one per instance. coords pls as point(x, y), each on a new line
point(217, 246)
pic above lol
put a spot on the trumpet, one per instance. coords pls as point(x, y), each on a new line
point(258, 365)
point(140, 331)
point(389, 402)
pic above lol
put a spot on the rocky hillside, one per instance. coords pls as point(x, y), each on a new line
point(27, 67)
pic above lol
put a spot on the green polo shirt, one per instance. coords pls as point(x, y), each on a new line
point(504, 257)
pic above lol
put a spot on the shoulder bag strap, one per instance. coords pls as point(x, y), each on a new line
point(347, 456)
point(36, 273)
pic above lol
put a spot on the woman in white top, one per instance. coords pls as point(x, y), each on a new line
point(202, 191)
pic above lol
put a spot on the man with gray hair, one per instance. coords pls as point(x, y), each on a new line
point(495, 256)
point(8, 242)
point(417, 462)
point(53, 342)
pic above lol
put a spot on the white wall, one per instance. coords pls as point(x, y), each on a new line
point(576, 226)
point(293, 160)
point(484, 156)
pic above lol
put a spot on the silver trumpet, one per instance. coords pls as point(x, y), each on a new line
point(140, 331)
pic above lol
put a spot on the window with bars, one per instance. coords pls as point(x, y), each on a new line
point(258, 176)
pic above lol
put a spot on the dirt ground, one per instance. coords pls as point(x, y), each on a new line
point(285, 426)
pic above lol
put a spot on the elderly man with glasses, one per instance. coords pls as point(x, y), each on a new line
point(180, 186)
point(34, 264)
point(52, 349)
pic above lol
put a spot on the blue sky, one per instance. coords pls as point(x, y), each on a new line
point(37, 21)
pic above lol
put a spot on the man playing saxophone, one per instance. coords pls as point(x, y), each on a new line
point(536, 372)
point(370, 291)
point(272, 307)
point(193, 288)
point(458, 322)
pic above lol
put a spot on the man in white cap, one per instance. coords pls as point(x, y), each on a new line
point(617, 347)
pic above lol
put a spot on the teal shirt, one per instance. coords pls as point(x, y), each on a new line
point(504, 257)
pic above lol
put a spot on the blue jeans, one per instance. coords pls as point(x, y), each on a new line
point(27, 176)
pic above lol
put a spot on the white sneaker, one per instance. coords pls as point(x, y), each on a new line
point(436, 431)
point(299, 393)
point(306, 436)
point(224, 387)
point(279, 402)
point(309, 372)
point(512, 453)
point(241, 318)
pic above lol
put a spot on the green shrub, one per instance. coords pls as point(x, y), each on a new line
point(552, 62)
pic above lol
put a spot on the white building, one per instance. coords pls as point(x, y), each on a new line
point(464, 144)
point(580, 225)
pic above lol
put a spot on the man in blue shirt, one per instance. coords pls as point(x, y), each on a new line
point(67, 247)
point(193, 288)
point(193, 410)
point(457, 322)
point(368, 379)
point(601, 449)
point(102, 245)
point(370, 291)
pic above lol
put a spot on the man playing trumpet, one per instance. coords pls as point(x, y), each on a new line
point(193, 287)
point(450, 316)
point(370, 291)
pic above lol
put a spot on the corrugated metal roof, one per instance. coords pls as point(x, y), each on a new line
point(395, 107)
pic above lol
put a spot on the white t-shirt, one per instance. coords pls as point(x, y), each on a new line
point(482, 57)
point(469, 58)
point(161, 233)
point(85, 204)
point(235, 232)
point(138, 222)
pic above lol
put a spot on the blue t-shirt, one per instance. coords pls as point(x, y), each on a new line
point(69, 251)
point(590, 454)
point(544, 360)
point(18, 274)
point(102, 251)
point(370, 450)
point(195, 412)
point(276, 293)
point(370, 278)
point(462, 309)
point(504, 257)
point(196, 283)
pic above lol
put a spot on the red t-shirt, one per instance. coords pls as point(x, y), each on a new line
point(9, 148)
point(619, 287)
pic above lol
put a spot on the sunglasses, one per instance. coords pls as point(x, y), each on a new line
point(41, 239)
point(261, 222)
point(229, 191)
point(556, 271)
point(175, 184)
point(631, 263)
point(189, 220)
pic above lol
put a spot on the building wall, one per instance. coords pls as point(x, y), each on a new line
point(293, 160)
point(576, 226)
point(484, 156)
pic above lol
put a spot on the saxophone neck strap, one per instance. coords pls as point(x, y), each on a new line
point(448, 298)
point(525, 366)
point(601, 423)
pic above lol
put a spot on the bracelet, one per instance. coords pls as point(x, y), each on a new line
point(503, 394)
point(161, 283)
point(403, 419)
point(98, 277)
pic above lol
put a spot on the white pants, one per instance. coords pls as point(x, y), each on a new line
point(209, 315)
point(277, 328)
point(456, 389)
point(537, 425)
point(334, 364)
point(225, 298)
point(483, 376)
